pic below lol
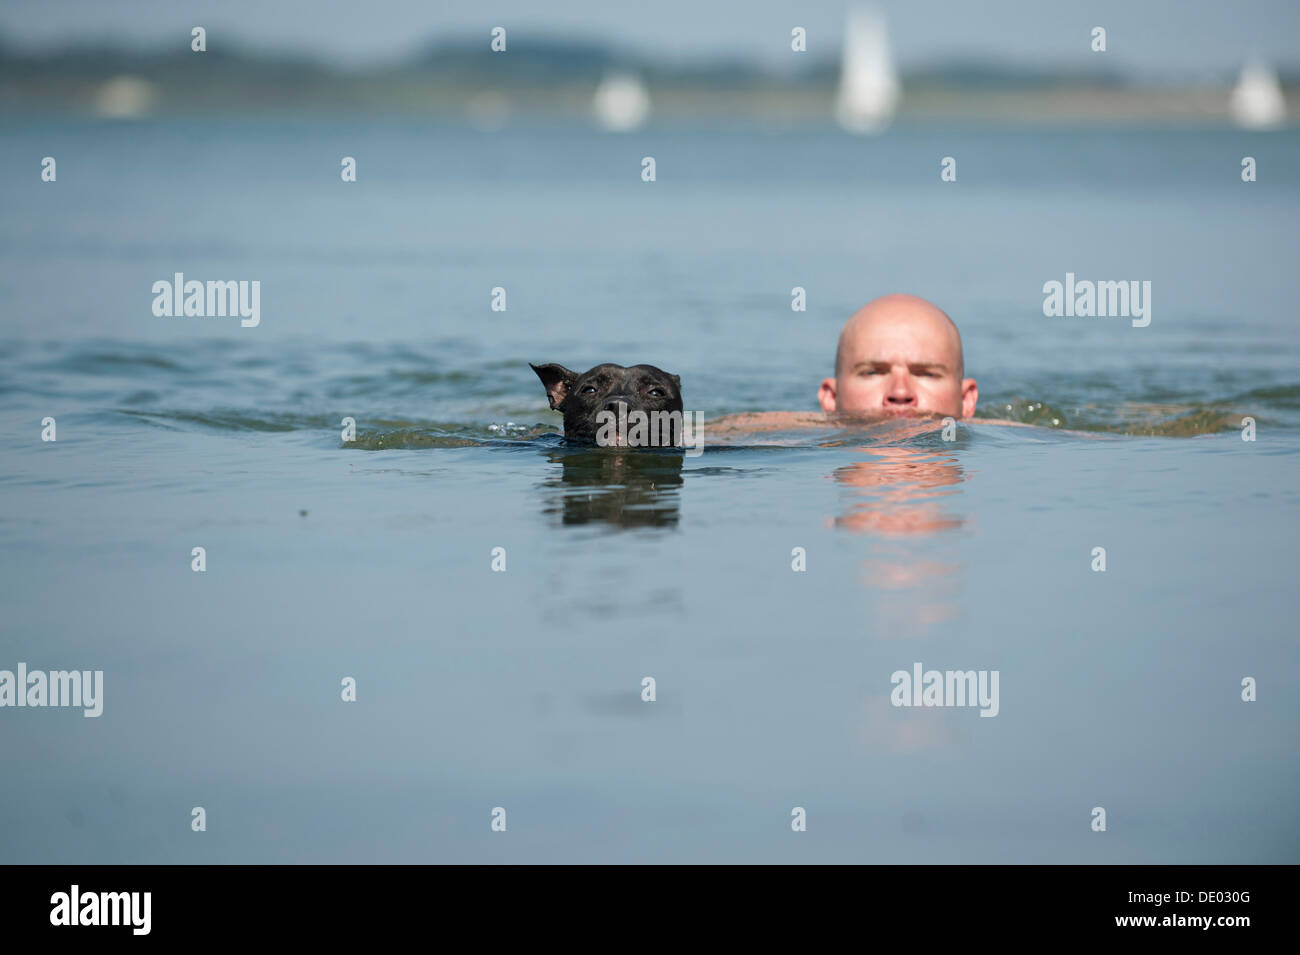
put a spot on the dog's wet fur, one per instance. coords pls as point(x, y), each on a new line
point(580, 397)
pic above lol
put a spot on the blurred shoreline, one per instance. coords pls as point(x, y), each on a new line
point(543, 80)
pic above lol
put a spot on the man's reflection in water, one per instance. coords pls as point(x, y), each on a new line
point(902, 492)
point(901, 498)
point(638, 488)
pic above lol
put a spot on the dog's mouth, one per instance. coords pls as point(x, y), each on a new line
point(605, 433)
point(609, 426)
point(607, 437)
point(626, 424)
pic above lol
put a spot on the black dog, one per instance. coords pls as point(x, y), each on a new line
point(581, 398)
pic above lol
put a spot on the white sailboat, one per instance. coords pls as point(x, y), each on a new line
point(125, 97)
point(869, 87)
point(1256, 101)
point(621, 103)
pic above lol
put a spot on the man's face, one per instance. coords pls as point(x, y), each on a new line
point(900, 365)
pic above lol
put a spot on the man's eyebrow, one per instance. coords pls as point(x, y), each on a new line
point(912, 365)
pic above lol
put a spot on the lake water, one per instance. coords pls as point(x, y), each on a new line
point(522, 689)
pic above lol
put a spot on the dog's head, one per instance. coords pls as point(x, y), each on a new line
point(582, 397)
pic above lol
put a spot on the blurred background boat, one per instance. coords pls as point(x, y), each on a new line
point(869, 88)
point(621, 102)
point(1257, 101)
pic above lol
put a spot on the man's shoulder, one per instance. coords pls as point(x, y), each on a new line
point(770, 421)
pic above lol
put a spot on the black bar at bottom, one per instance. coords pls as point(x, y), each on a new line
point(302, 903)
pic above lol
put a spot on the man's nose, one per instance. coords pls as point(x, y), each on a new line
point(900, 391)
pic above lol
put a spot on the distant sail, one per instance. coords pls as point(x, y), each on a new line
point(1256, 101)
point(869, 87)
point(621, 103)
point(125, 97)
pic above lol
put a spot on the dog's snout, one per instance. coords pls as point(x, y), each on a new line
point(613, 401)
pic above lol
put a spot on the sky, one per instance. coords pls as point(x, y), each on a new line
point(1146, 38)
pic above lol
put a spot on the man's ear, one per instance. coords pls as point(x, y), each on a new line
point(826, 395)
point(557, 380)
point(970, 396)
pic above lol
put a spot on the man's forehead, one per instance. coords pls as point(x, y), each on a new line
point(928, 343)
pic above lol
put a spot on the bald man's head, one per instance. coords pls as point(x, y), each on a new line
point(899, 310)
point(900, 355)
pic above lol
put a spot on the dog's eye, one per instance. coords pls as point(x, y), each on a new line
point(658, 393)
point(589, 390)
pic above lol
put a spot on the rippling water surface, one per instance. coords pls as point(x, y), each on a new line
point(373, 559)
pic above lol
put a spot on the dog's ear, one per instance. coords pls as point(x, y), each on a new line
point(557, 380)
point(677, 382)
